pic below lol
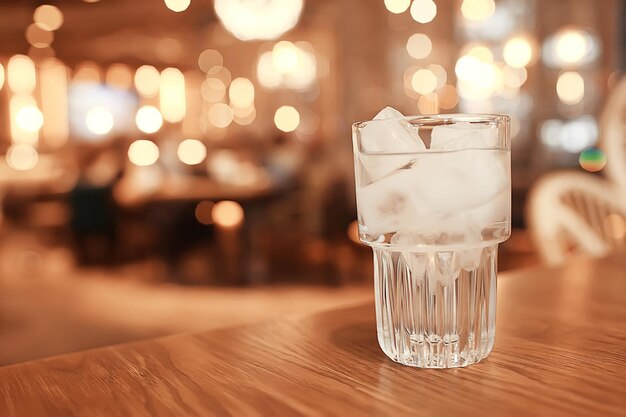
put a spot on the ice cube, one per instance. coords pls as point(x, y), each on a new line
point(496, 210)
point(464, 135)
point(388, 205)
point(395, 135)
point(452, 182)
point(449, 232)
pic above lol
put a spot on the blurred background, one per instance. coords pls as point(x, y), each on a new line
point(186, 164)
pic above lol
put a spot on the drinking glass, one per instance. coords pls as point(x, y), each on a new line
point(434, 201)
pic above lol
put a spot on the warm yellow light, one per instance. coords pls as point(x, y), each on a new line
point(148, 119)
point(478, 10)
point(210, 61)
point(481, 52)
point(143, 153)
point(119, 76)
point(22, 157)
point(424, 81)
point(191, 151)
point(397, 6)
point(423, 11)
point(285, 56)
point(87, 72)
point(21, 75)
point(468, 67)
point(213, 90)
point(147, 80)
point(514, 77)
point(29, 118)
point(287, 118)
point(241, 92)
point(477, 80)
point(440, 73)
point(448, 97)
point(268, 76)
point(18, 134)
point(227, 213)
point(246, 118)
point(571, 46)
point(172, 95)
point(428, 104)
point(518, 52)
point(203, 212)
point(48, 17)
point(38, 37)
point(419, 45)
point(177, 5)
point(615, 226)
point(258, 19)
point(570, 87)
point(220, 115)
point(99, 120)
point(1, 76)
point(53, 76)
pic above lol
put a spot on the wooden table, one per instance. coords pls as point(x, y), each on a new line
point(560, 350)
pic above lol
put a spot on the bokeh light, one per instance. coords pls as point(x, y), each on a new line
point(287, 118)
point(288, 65)
point(48, 17)
point(22, 157)
point(1, 76)
point(571, 46)
point(21, 75)
point(119, 76)
point(203, 212)
point(87, 72)
point(514, 77)
point(518, 52)
point(29, 118)
point(397, 6)
point(258, 19)
point(38, 37)
point(210, 61)
point(478, 10)
point(241, 92)
point(440, 73)
point(172, 92)
point(227, 213)
point(570, 87)
point(424, 81)
point(148, 119)
point(177, 5)
point(220, 115)
point(143, 153)
point(615, 226)
point(423, 11)
point(99, 120)
point(147, 80)
point(479, 51)
point(428, 104)
point(191, 151)
point(448, 97)
point(592, 159)
point(419, 45)
point(212, 90)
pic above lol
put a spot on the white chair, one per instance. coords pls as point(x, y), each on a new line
point(613, 134)
point(576, 213)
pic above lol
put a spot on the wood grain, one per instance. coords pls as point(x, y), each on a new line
point(560, 350)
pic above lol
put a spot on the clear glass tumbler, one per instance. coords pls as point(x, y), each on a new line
point(434, 201)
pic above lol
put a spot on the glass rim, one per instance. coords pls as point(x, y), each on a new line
point(442, 118)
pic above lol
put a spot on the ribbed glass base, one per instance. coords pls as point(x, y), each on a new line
point(436, 309)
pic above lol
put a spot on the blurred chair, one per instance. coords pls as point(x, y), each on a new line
point(576, 213)
point(613, 134)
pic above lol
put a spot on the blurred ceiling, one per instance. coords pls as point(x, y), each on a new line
point(133, 32)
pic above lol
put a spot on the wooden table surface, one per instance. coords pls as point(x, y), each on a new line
point(560, 350)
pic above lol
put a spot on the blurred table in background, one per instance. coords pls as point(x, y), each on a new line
point(559, 351)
